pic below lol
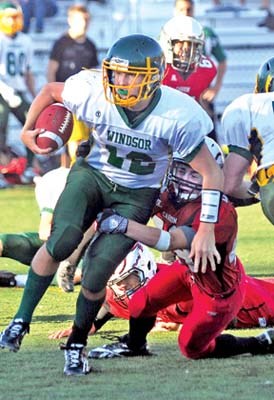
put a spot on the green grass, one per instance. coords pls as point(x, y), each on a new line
point(36, 371)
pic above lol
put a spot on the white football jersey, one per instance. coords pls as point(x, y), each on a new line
point(248, 123)
point(15, 59)
point(49, 187)
point(135, 157)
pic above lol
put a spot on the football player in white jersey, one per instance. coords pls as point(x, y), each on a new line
point(16, 77)
point(248, 132)
point(137, 124)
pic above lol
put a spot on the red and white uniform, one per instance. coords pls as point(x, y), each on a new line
point(195, 83)
point(217, 296)
point(257, 310)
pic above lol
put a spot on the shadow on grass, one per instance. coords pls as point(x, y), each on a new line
point(53, 318)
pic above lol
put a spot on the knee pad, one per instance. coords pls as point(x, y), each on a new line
point(94, 276)
point(62, 243)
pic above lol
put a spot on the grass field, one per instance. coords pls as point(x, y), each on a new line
point(36, 371)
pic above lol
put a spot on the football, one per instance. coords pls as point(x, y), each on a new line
point(57, 121)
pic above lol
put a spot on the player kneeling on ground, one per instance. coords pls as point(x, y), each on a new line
point(217, 292)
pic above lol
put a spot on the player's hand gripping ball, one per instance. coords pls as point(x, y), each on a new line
point(57, 122)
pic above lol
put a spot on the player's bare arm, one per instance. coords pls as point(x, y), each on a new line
point(111, 222)
point(52, 92)
point(203, 249)
point(235, 168)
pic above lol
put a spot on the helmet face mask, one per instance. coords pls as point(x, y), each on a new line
point(183, 190)
point(264, 77)
point(132, 273)
point(139, 59)
point(127, 284)
point(11, 18)
point(186, 55)
point(183, 183)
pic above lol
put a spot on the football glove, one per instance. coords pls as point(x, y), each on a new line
point(83, 149)
point(109, 221)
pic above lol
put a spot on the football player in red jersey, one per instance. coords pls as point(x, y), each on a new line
point(188, 70)
point(217, 293)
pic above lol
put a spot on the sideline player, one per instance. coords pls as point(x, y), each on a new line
point(16, 82)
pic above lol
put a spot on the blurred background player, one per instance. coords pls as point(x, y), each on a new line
point(188, 70)
point(72, 52)
point(212, 48)
point(39, 10)
point(16, 84)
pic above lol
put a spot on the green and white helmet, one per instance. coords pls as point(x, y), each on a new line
point(264, 77)
point(138, 55)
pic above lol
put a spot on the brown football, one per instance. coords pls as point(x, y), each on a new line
point(57, 121)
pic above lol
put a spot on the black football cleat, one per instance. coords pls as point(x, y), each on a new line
point(11, 338)
point(266, 341)
point(118, 349)
point(76, 362)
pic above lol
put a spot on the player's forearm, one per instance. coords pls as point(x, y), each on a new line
point(145, 234)
point(241, 191)
point(157, 238)
point(221, 70)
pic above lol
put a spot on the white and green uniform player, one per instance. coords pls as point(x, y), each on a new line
point(125, 167)
point(16, 54)
point(137, 125)
point(248, 132)
point(134, 152)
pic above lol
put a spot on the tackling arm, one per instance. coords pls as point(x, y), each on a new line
point(111, 222)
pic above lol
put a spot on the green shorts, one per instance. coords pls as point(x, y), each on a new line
point(87, 193)
point(20, 246)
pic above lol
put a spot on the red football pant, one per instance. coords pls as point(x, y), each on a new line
point(208, 318)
